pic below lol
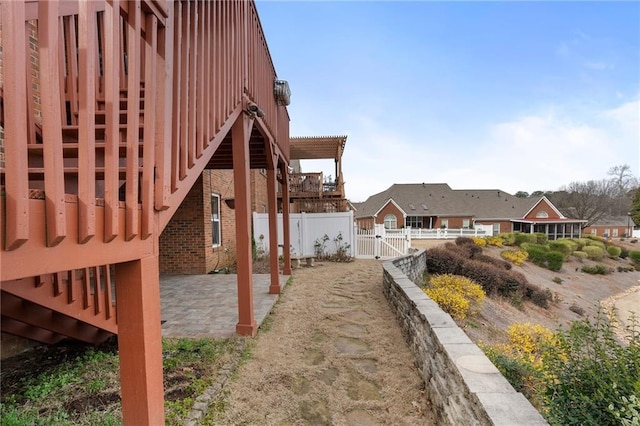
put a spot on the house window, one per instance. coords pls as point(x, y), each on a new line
point(594, 231)
point(215, 219)
point(615, 232)
point(444, 223)
point(390, 222)
point(414, 221)
point(465, 223)
point(542, 214)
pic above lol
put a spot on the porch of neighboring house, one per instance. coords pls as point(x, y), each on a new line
point(313, 192)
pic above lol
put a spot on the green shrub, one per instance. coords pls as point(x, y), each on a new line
point(581, 242)
point(554, 260)
point(595, 242)
point(520, 238)
point(634, 255)
point(588, 370)
point(562, 246)
point(594, 252)
point(614, 251)
point(541, 238)
point(596, 269)
point(571, 242)
point(580, 255)
point(508, 238)
point(537, 253)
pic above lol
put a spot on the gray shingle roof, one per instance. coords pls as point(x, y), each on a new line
point(440, 200)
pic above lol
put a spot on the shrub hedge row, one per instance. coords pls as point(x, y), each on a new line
point(495, 279)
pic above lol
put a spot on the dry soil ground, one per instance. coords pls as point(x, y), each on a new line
point(333, 355)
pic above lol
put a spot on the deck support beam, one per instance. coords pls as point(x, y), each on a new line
point(140, 341)
point(240, 135)
point(272, 202)
point(286, 236)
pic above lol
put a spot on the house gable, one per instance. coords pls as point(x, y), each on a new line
point(391, 208)
point(544, 209)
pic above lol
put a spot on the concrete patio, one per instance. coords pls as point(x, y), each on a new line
point(207, 305)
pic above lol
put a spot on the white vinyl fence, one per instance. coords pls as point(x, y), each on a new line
point(381, 243)
point(305, 230)
point(477, 231)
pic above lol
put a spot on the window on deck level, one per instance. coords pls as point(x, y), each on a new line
point(215, 219)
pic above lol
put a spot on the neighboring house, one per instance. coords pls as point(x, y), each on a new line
point(431, 206)
point(611, 227)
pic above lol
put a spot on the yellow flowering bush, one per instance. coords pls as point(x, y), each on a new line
point(457, 295)
point(494, 241)
point(514, 256)
point(528, 338)
point(481, 242)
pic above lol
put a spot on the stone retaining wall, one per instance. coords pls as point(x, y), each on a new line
point(465, 388)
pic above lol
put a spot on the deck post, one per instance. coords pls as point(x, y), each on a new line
point(286, 236)
point(240, 135)
point(272, 202)
point(140, 341)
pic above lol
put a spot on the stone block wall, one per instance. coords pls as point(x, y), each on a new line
point(463, 385)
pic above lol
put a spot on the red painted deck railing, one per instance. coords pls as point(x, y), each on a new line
point(110, 113)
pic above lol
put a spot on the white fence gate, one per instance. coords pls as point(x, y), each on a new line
point(305, 229)
point(381, 243)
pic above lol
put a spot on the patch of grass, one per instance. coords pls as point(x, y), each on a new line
point(79, 385)
point(596, 269)
point(557, 280)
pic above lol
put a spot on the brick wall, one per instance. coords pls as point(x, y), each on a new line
point(391, 208)
point(182, 241)
point(463, 385)
point(186, 244)
point(543, 206)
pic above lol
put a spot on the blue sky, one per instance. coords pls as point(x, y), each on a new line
point(518, 96)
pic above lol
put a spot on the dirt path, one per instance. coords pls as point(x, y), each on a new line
point(333, 354)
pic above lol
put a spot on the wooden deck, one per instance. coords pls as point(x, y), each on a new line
point(111, 110)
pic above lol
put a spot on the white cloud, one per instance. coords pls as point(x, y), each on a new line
point(535, 152)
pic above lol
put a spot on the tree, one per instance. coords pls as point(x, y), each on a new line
point(622, 179)
point(589, 200)
point(522, 194)
point(623, 184)
point(635, 208)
